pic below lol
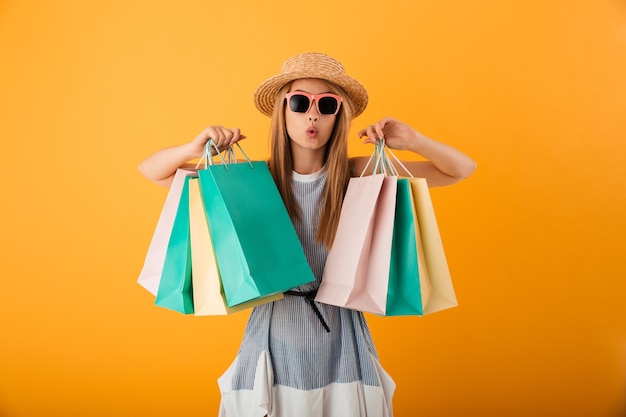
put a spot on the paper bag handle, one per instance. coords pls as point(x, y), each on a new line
point(207, 156)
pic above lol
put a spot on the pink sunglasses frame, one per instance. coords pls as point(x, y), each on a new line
point(314, 98)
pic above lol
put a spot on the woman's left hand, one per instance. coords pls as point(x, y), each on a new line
point(444, 165)
point(397, 135)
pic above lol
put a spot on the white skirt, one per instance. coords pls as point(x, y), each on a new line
point(353, 399)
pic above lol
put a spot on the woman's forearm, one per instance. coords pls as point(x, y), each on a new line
point(445, 158)
point(161, 166)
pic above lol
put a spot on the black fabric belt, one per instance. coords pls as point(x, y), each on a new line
point(310, 297)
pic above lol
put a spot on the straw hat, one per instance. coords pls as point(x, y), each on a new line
point(310, 65)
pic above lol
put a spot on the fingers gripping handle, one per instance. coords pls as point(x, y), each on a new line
point(381, 161)
point(207, 156)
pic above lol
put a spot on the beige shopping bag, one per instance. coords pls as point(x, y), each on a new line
point(431, 255)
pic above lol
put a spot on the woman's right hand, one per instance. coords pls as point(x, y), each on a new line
point(161, 166)
point(223, 138)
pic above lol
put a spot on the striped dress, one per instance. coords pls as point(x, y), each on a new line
point(288, 364)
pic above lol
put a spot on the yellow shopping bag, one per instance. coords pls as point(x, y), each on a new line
point(431, 255)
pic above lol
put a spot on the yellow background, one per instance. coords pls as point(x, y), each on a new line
point(534, 91)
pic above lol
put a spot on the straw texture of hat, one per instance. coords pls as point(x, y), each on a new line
point(311, 65)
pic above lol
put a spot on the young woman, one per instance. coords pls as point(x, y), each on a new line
point(299, 357)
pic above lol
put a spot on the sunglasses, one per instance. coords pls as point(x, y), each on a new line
point(301, 102)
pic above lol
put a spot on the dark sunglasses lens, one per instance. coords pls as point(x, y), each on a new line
point(299, 103)
point(327, 105)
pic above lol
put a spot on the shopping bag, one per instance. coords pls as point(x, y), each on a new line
point(417, 280)
point(175, 290)
point(356, 273)
point(442, 295)
point(152, 270)
point(409, 287)
point(256, 246)
point(208, 293)
point(435, 291)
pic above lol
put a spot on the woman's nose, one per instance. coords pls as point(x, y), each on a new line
point(313, 112)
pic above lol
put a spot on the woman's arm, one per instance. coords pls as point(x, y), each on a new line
point(161, 166)
point(444, 164)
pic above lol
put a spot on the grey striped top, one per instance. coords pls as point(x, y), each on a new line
point(303, 354)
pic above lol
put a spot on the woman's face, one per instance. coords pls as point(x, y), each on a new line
point(311, 130)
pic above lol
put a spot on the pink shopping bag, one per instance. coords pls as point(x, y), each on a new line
point(150, 275)
point(356, 274)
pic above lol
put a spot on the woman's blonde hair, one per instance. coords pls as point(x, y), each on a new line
point(338, 166)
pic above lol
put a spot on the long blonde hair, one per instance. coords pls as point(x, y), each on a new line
point(338, 166)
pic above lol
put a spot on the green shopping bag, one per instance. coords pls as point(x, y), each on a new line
point(404, 295)
point(256, 246)
point(175, 290)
